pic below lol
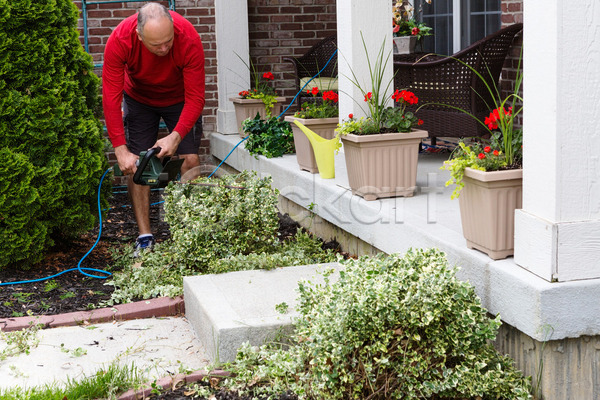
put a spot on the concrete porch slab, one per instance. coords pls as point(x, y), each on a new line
point(429, 219)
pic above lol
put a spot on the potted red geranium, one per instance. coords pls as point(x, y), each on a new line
point(489, 178)
point(382, 149)
point(261, 98)
point(407, 31)
point(320, 116)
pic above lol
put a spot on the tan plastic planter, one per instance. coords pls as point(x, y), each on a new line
point(324, 127)
point(487, 210)
point(247, 108)
point(383, 165)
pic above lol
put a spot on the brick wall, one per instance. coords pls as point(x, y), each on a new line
point(103, 18)
point(278, 29)
point(512, 13)
point(287, 28)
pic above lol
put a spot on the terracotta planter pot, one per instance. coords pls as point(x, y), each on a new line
point(404, 44)
point(324, 127)
point(247, 108)
point(487, 210)
point(383, 165)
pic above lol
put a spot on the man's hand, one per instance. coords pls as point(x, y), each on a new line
point(126, 160)
point(168, 144)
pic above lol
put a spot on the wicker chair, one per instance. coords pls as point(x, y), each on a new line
point(311, 63)
point(438, 80)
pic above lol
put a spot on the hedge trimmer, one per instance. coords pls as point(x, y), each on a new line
point(151, 171)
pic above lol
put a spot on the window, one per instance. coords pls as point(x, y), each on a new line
point(458, 23)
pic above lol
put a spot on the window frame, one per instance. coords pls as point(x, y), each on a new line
point(457, 17)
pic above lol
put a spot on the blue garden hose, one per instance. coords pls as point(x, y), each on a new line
point(105, 274)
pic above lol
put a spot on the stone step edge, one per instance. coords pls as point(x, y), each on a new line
point(157, 307)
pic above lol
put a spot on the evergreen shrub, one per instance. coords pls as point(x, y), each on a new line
point(50, 137)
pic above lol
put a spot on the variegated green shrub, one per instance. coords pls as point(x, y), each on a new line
point(236, 214)
point(217, 225)
point(391, 327)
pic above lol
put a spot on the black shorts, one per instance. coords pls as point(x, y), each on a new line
point(142, 123)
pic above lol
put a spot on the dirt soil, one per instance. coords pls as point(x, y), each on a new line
point(189, 392)
point(73, 291)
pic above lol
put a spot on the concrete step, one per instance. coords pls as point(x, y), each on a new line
point(226, 310)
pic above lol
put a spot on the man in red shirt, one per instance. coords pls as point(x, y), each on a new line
point(153, 60)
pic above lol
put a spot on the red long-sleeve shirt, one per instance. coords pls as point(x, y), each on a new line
point(150, 79)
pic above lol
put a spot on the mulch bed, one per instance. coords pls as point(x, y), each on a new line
point(73, 291)
point(188, 392)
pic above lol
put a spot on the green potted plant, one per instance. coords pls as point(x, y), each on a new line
point(488, 175)
point(406, 30)
point(381, 149)
point(260, 98)
point(321, 116)
point(269, 137)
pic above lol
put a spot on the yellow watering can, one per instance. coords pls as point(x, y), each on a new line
point(324, 150)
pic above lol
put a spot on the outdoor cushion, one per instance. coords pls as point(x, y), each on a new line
point(320, 60)
point(323, 83)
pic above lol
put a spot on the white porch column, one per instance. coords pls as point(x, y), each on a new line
point(557, 233)
point(373, 19)
point(231, 24)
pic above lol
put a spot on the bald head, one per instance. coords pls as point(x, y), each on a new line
point(155, 28)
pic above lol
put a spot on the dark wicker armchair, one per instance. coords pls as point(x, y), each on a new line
point(311, 63)
point(444, 80)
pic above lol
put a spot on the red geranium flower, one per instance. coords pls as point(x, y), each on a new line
point(350, 116)
point(368, 96)
point(408, 97)
point(496, 152)
point(268, 75)
point(481, 156)
point(330, 96)
point(315, 91)
point(415, 31)
point(487, 149)
point(497, 115)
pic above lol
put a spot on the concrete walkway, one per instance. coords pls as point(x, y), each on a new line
point(158, 347)
point(222, 312)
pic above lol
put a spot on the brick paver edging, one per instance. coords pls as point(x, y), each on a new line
point(171, 382)
point(159, 307)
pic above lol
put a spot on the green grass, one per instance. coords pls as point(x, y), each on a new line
point(107, 383)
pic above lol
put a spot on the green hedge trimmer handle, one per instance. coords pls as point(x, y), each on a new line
point(151, 171)
point(149, 168)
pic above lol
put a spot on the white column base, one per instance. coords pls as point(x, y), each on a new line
point(557, 252)
point(535, 244)
point(226, 122)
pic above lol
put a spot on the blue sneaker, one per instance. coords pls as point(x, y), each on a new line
point(143, 242)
